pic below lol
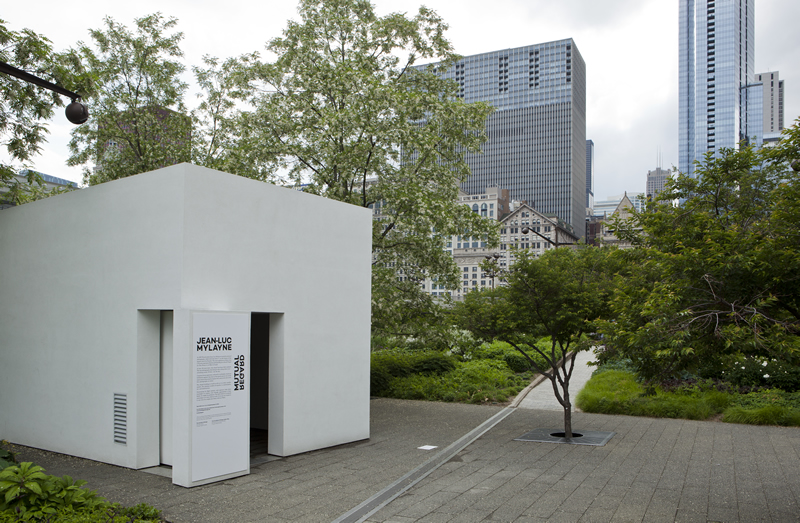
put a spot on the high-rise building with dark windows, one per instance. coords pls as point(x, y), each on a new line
point(656, 179)
point(719, 106)
point(773, 101)
point(589, 174)
point(537, 135)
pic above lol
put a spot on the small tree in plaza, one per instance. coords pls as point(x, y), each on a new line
point(559, 295)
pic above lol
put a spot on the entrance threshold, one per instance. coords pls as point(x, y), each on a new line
point(258, 448)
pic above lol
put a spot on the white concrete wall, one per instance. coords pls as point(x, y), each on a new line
point(76, 269)
point(306, 257)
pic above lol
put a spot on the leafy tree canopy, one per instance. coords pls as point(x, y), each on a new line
point(718, 274)
point(25, 108)
point(223, 134)
point(138, 116)
point(345, 112)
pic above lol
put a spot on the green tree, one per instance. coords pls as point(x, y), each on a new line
point(347, 114)
point(559, 295)
point(223, 135)
point(138, 116)
point(26, 108)
point(719, 274)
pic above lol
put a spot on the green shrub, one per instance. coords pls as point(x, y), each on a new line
point(140, 512)
point(28, 494)
point(679, 406)
point(400, 363)
point(619, 392)
point(432, 363)
point(762, 372)
point(479, 381)
point(517, 362)
point(379, 380)
point(455, 341)
point(112, 514)
point(623, 364)
point(768, 397)
point(767, 415)
point(385, 366)
point(609, 392)
point(7, 458)
point(499, 350)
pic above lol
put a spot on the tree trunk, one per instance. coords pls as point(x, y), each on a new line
point(567, 412)
point(568, 422)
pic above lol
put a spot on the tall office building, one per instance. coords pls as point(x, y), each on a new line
point(773, 101)
point(656, 180)
point(717, 106)
point(537, 135)
point(589, 174)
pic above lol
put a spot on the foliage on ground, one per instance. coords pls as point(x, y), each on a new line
point(620, 392)
point(7, 457)
point(27, 493)
point(484, 375)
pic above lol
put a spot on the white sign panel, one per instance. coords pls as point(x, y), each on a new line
point(221, 394)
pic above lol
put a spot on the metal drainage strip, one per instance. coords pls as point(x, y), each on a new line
point(394, 490)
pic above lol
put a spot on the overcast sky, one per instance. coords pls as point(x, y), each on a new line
point(630, 48)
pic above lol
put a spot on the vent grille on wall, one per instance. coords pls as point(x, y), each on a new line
point(121, 418)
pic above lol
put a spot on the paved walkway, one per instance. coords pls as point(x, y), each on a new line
point(541, 397)
point(651, 470)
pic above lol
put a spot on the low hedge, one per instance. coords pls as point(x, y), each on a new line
point(390, 364)
point(482, 381)
point(619, 392)
point(437, 376)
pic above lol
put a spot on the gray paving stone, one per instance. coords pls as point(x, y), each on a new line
point(529, 519)
point(690, 516)
point(726, 514)
point(651, 470)
point(436, 517)
point(596, 515)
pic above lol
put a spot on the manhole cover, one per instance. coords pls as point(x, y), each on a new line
point(580, 437)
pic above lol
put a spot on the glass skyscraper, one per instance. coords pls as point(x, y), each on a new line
point(717, 42)
point(536, 144)
point(589, 174)
point(773, 101)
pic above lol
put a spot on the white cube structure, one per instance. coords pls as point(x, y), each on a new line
point(155, 319)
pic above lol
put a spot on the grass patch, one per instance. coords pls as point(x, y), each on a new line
point(770, 415)
point(609, 392)
point(618, 392)
point(765, 407)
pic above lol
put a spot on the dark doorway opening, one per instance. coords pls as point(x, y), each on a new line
point(259, 385)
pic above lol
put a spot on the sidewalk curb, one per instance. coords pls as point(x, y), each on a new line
point(535, 383)
point(521, 396)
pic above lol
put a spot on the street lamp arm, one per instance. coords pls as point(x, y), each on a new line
point(77, 113)
point(526, 230)
point(22, 75)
